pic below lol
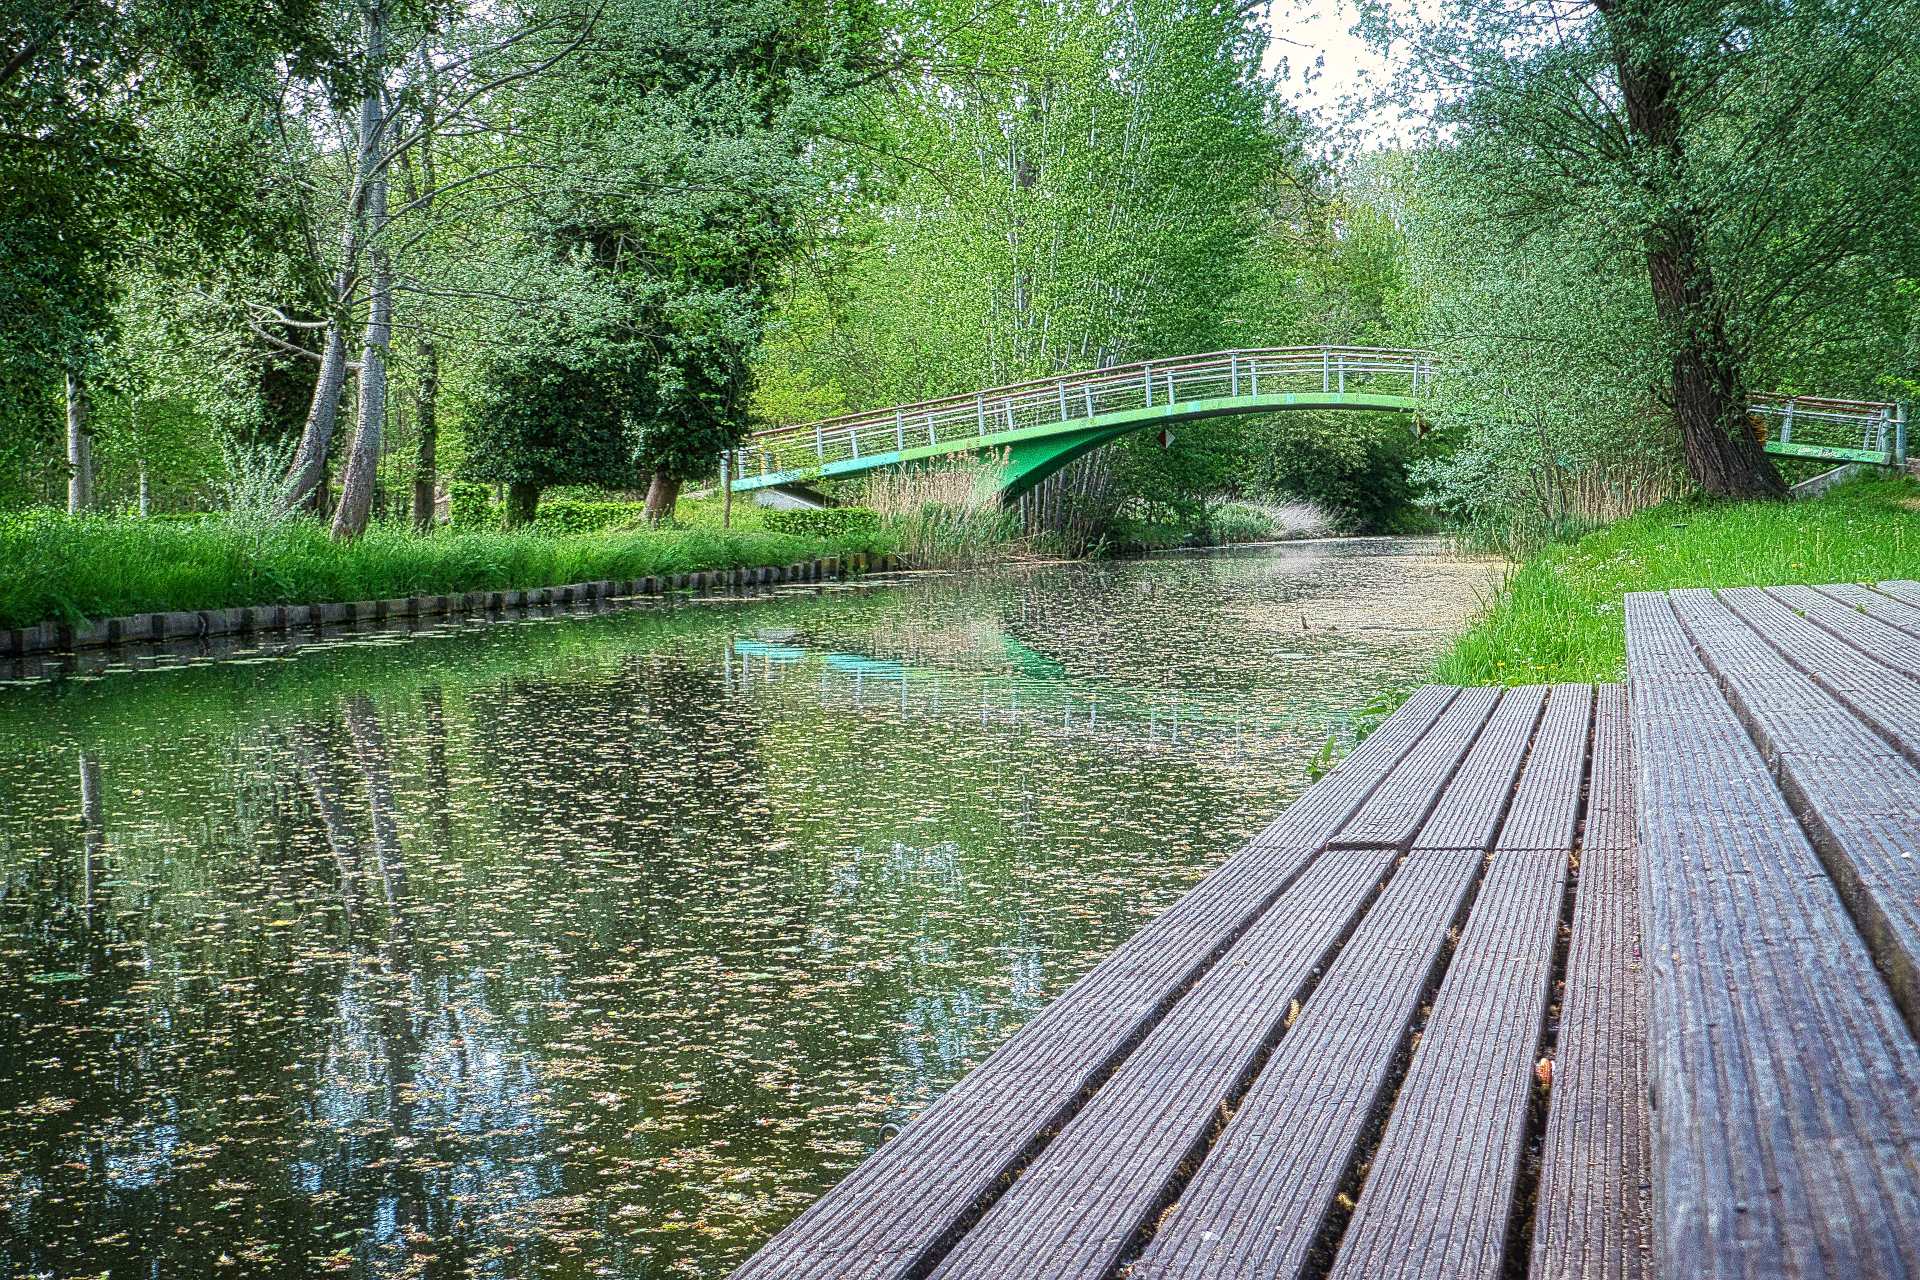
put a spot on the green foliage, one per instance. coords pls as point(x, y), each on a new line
point(1351, 465)
point(940, 535)
point(537, 419)
point(573, 515)
point(94, 567)
point(823, 522)
point(1753, 163)
point(1238, 522)
point(469, 506)
point(1560, 616)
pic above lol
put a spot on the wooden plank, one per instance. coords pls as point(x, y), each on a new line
point(1440, 1188)
point(1902, 590)
point(1855, 794)
point(1832, 685)
point(1785, 1137)
point(1592, 1211)
point(1308, 821)
point(897, 1212)
point(1078, 1206)
point(1475, 800)
point(1393, 813)
point(1868, 606)
point(1258, 1200)
point(1546, 805)
point(1611, 812)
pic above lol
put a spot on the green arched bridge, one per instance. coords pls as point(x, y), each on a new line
point(1035, 428)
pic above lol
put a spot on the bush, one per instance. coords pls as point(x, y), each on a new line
point(824, 522)
point(470, 507)
point(1239, 522)
point(572, 515)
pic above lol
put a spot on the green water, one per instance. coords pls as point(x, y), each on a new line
point(599, 946)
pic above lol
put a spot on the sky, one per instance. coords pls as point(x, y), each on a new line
point(1328, 63)
point(1308, 29)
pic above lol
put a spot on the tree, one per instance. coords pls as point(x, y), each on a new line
point(546, 413)
point(1742, 153)
point(83, 183)
point(675, 149)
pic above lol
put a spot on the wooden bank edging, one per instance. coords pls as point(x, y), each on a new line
point(140, 628)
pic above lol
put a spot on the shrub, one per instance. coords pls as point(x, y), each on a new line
point(572, 515)
point(469, 506)
point(1238, 522)
point(824, 522)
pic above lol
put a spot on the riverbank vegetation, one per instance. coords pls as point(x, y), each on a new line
point(363, 259)
point(1561, 616)
point(90, 567)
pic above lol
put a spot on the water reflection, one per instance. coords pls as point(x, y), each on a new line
point(599, 948)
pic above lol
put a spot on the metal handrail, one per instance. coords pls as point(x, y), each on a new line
point(959, 422)
point(1078, 397)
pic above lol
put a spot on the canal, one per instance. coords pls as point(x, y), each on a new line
point(599, 946)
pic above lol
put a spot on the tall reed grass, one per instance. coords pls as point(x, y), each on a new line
point(946, 517)
point(54, 566)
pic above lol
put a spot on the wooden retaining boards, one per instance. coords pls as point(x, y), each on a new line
point(1875, 604)
point(899, 1211)
point(1592, 1201)
point(1257, 1204)
point(1545, 812)
point(1077, 1207)
point(1440, 1188)
point(1772, 643)
point(1476, 799)
point(139, 628)
point(1785, 1134)
point(1859, 617)
point(1308, 821)
point(1907, 593)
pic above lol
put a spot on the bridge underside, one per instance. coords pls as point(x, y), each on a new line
point(1031, 454)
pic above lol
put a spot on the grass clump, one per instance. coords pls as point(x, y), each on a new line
point(1560, 614)
point(97, 566)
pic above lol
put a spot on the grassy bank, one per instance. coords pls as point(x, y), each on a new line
point(55, 567)
point(1560, 615)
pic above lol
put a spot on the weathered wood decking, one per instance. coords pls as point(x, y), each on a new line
point(1326, 1059)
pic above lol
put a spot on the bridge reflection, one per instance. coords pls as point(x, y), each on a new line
point(1014, 701)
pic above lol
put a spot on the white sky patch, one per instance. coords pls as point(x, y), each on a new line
point(1333, 73)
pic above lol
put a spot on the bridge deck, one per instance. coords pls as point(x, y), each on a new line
point(1325, 1060)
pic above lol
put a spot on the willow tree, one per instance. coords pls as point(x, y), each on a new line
point(1745, 153)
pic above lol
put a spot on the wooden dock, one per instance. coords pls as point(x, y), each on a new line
point(1407, 1030)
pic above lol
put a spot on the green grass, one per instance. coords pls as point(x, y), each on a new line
point(1559, 617)
point(96, 567)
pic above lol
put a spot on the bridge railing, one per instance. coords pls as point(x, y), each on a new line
point(975, 419)
point(1844, 430)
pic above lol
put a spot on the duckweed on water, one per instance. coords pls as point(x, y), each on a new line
point(599, 948)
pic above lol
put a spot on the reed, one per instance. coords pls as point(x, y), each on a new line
point(946, 517)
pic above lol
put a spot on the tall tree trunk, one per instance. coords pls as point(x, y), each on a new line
point(306, 485)
point(1709, 394)
point(362, 471)
point(146, 494)
point(663, 494)
point(425, 474)
point(523, 500)
point(79, 448)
